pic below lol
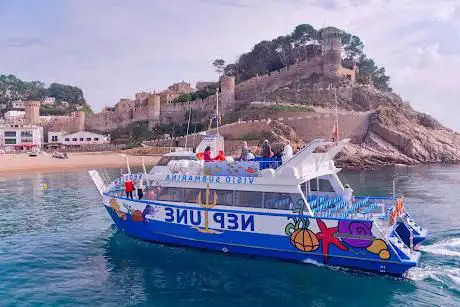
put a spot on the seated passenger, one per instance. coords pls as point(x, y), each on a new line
point(266, 150)
point(207, 154)
point(244, 152)
point(220, 156)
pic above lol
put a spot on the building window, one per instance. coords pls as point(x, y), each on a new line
point(88, 139)
point(10, 141)
point(74, 139)
point(27, 140)
point(96, 139)
point(9, 134)
point(67, 139)
point(82, 139)
point(26, 134)
point(54, 138)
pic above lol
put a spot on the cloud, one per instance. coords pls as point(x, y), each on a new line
point(113, 49)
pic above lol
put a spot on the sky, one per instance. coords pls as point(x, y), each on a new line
point(113, 48)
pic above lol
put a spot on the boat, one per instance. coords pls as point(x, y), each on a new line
point(288, 210)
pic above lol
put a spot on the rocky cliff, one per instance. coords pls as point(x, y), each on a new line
point(396, 133)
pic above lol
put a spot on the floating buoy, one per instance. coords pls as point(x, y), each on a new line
point(45, 186)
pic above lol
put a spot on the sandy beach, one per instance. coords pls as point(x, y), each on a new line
point(15, 163)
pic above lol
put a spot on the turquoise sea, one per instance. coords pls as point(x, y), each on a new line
point(58, 247)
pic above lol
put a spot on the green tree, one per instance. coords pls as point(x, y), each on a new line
point(219, 65)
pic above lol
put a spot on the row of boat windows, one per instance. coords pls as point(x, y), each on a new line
point(166, 159)
point(269, 200)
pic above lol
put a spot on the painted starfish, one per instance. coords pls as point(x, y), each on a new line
point(326, 236)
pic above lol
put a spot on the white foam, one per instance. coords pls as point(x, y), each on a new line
point(443, 248)
point(437, 273)
point(311, 261)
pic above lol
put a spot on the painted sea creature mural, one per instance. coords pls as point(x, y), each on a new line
point(359, 232)
point(300, 236)
point(327, 237)
point(379, 247)
point(136, 216)
point(116, 207)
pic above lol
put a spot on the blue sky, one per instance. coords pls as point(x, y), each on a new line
point(113, 49)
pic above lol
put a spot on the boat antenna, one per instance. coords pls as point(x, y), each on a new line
point(143, 165)
point(188, 127)
point(217, 111)
point(194, 135)
point(172, 136)
point(336, 136)
point(127, 163)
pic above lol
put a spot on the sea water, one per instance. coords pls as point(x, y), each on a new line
point(58, 247)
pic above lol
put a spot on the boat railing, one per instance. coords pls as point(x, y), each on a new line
point(384, 233)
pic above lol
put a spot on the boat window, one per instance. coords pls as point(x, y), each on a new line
point(324, 185)
point(224, 197)
point(191, 195)
point(281, 201)
point(166, 159)
point(170, 194)
point(248, 199)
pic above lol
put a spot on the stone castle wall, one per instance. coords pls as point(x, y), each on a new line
point(353, 125)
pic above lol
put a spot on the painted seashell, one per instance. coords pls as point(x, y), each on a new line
point(359, 228)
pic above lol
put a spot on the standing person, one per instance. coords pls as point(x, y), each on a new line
point(287, 152)
point(244, 151)
point(348, 195)
point(266, 150)
point(139, 188)
point(207, 154)
point(129, 188)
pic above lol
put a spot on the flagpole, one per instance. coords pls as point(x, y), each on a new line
point(217, 111)
point(336, 115)
point(188, 126)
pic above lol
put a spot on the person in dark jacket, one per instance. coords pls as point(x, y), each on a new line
point(266, 150)
point(207, 154)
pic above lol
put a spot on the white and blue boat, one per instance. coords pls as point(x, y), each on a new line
point(291, 211)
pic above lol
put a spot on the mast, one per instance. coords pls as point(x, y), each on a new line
point(336, 136)
point(188, 126)
point(217, 111)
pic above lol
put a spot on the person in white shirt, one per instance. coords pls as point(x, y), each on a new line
point(287, 152)
point(138, 185)
point(348, 195)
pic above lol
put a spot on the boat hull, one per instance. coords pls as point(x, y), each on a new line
point(309, 240)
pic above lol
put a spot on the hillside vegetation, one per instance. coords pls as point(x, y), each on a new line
point(13, 88)
point(301, 44)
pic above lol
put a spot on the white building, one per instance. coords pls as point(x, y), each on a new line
point(78, 138)
point(49, 101)
point(17, 136)
point(14, 115)
point(18, 105)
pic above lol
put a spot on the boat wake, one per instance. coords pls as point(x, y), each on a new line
point(446, 275)
point(449, 247)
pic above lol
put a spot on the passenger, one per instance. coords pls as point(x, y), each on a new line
point(220, 156)
point(207, 154)
point(348, 195)
point(139, 188)
point(129, 188)
point(266, 150)
point(287, 152)
point(244, 152)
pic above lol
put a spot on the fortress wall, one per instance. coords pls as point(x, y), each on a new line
point(353, 125)
point(258, 87)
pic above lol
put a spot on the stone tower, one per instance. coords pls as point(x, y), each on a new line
point(32, 109)
point(80, 121)
point(332, 51)
point(154, 110)
point(227, 95)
